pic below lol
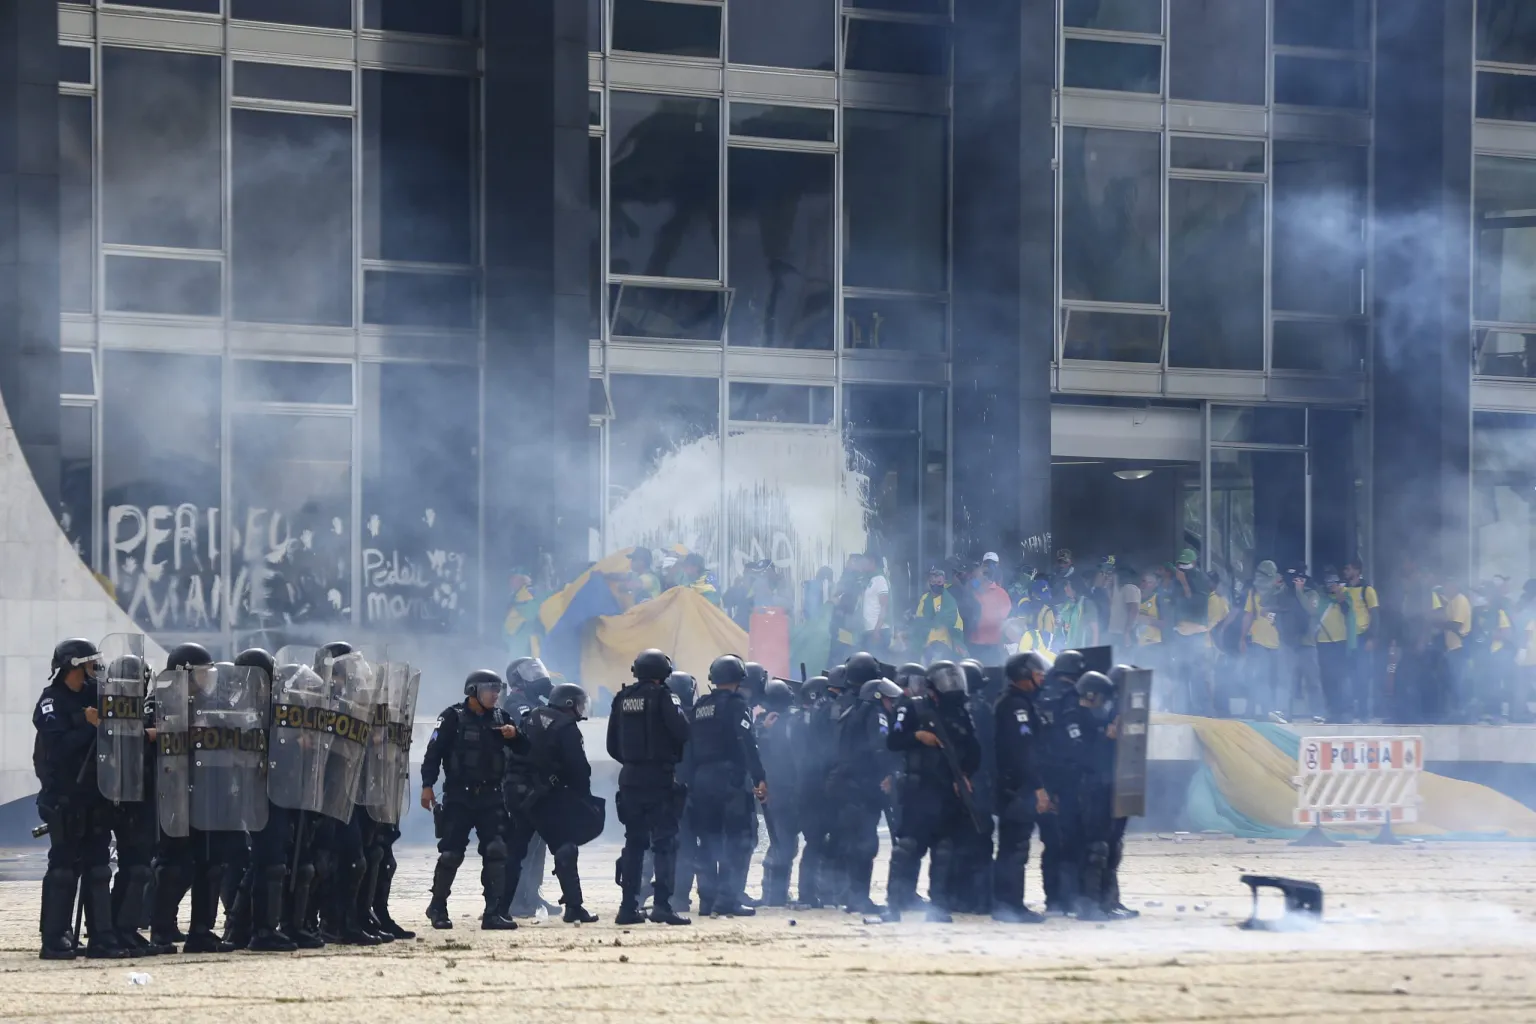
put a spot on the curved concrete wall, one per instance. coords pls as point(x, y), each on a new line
point(46, 594)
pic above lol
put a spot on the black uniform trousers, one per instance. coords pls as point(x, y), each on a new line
point(483, 810)
point(932, 821)
point(1015, 824)
point(1086, 827)
point(650, 815)
point(548, 818)
point(855, 840)
point(724, 821)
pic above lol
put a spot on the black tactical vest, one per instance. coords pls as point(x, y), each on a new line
point(479, 753)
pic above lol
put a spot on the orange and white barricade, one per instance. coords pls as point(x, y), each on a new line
point(1358, 780)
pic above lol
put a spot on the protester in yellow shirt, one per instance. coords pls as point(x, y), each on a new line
point(1268, 689)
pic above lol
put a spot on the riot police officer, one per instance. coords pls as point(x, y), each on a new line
point(727, 772)
point(1087, 797)
point(262, 887)
point(935, 792)
point(815, 747)
point(66, 718)
point(856, 788)
point(1056, 693)
point(528, 686)
point(778, 732)
point(685, 688)
point(469, 746)
point(647, 732)
point(1113, 906)
point(548, 791)
point(972, 865)
point(193, 857)
point(1020, 792)
point(125, 764)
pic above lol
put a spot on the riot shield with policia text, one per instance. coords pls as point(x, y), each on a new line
point(1133, 700)
point(387, 768)
point(353, 693)
point(297, 746)
point(227, 745)
point(120, 735)
point(173, 780)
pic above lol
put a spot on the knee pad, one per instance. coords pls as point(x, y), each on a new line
point(305, 875)
point(138, 874)
point(1098, 853)
point(451, 858)
point(496, 849)
point(566, 856)
point(275, 873)
point(100, 873)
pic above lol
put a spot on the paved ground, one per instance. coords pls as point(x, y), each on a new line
point(1422, 932)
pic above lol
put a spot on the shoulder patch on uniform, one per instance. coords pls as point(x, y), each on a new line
point(1073, 731)
point(46, 707)
point(746, 723)
point(884, 725)
point(1021, 715)
point(677, 700)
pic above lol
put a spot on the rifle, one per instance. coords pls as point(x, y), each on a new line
point(962, 784)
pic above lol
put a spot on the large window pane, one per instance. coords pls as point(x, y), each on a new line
point(424, 17)
point(768, 121)
point(421, 448)
point(1504, 353)
point(77, 249)
point(595, 237)
point(1326, 24)
point(160, 488)
point(292, 530)
point(784, 33)
point(664, 182)
point(780, 403)
point(1504, 215)
point(1506, 31)
point(663, 449)
point(291, 257)
point(595, 26)
point(1202, 153)
point(1119, 67)
point(77, 430)
point(189, 6)
point(1216, 51)
point(781, 226)
point(894, 201)
point(895, 47)
point(1319, 346)
point(402, 298)
point(894, 324)
point(1319, 228)
point(668, 314)
point(313, 13)
point(655, 26)
point(1111, 215)
point(418, 167)
point(292, 82)
point(1114, 15)
point(1506, 97)
point(296, 383)
point(1311, 82)
point(1103, 336)
point(1216, 274)
point(161, 160)
point(147, 284)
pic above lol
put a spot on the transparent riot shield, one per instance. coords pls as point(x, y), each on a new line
point(386, 774)
point(353, 696)
point(121, 688)
point(173, 776)
point(299, 740)
point(1134, 702)
point(228, 748)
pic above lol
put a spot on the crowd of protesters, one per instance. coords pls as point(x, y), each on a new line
point(1281, 643)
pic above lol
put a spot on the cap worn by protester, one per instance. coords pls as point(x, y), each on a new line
point(990, 556)
point(1266, 568)
point(1186, 559)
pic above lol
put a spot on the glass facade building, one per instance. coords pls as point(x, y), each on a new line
point(364, 305)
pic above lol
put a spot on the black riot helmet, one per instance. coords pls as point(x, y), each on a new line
point(77, 653)
point(777, 695)
point(188, 656)
point(946, 677)
point(530, 675)
point(814, 689)
point(255, 657)
point(912, 678)
point(1024, 666)
point(651, 666)
point(879, 689)
point(975, 678)
point(837, 679)
point(1117, 675)
point(570, 697)
point(1069, 664)
point(479, 681)
point(727, 670)
point(862, 667)
point(331, 651)
point(684, 687)
point(129, 666)
point(757, 678)
point(1097, 693)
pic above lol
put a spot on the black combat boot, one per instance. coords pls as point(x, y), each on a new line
point(442, 887)
point(381, 901)
point(128, 890)
point(570, 887)
point(59, 886)
point(205, 910)
point(298, 910)
point(365, 919)
point(170, 890)
point(103, 944)
point(267, 912)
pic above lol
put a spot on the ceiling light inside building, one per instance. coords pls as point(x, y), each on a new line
point(1133, 474)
